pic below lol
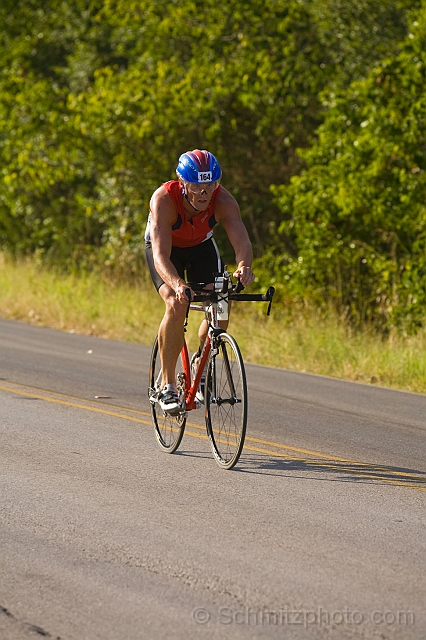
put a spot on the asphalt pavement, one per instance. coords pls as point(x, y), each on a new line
point(319, 532)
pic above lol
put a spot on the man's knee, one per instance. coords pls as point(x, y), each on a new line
point(175, 308)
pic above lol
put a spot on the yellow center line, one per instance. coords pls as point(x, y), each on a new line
point(75, 404)
point(324, 456)
point(42, 395)
point(343, 469)
point(39, 393)
point(202, 427)
point(419, 477)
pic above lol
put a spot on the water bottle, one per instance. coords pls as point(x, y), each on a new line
point(222, 305)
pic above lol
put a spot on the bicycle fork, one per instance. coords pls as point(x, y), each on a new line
point(215, 399)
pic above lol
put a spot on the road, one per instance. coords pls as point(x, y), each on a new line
point(319, 532)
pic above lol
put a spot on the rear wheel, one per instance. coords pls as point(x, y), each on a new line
point(168, 429)
point(226, 401)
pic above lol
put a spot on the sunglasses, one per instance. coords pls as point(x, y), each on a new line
point(208, 187)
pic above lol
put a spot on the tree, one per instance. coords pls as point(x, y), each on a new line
point(98, 99)
point(356, 217)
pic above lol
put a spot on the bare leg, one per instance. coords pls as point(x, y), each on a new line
point(170, 333)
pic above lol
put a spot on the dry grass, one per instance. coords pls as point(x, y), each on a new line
point(91, 304)
point(329, 347)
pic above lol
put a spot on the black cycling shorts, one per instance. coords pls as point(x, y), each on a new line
point(193, 264)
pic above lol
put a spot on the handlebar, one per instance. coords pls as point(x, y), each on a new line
point(205, 295)
point(261, 297)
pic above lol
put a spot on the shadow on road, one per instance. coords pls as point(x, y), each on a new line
point(325, 470)
point(331, 470)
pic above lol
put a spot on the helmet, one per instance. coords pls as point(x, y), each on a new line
point(199, 167)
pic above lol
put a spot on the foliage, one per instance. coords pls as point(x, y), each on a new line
point(97, 100)
point(356, 218)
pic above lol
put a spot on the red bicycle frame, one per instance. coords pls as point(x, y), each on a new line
point(191, 389)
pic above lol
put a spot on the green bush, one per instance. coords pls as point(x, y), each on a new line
point(355, 220)
point(98, 99)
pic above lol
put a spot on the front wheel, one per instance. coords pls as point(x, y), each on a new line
point(168, 429)
point(226, 401)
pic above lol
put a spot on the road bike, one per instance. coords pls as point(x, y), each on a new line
point(217, 380)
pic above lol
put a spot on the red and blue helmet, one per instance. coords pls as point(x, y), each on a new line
point(199, 167)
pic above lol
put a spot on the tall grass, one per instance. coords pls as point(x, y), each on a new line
point(93, 304)
point(88, 303)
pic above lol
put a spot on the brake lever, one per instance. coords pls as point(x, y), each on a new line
point(189, 296)
point(270, 294)
point(238, 287)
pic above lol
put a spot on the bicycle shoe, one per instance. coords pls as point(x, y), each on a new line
point(169, 401)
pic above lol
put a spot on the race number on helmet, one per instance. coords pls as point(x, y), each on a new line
point(199, 167)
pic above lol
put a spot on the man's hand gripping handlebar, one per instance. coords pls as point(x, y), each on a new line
point(233, 294)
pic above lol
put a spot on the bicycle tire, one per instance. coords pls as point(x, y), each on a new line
point(169, 430)
point(226, 401)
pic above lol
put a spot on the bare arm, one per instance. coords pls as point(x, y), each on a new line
point(228, 213)
point(163, 216)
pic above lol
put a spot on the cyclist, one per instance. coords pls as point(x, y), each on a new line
point(178, 236)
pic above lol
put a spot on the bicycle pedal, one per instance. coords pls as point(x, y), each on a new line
point(178, 414)
point(152, 396)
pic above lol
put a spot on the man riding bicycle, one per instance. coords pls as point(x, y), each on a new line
point(179, 239)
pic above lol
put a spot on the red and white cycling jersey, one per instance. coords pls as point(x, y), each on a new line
point(188, 233)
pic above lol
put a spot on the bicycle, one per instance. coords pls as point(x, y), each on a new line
point(225, 386)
